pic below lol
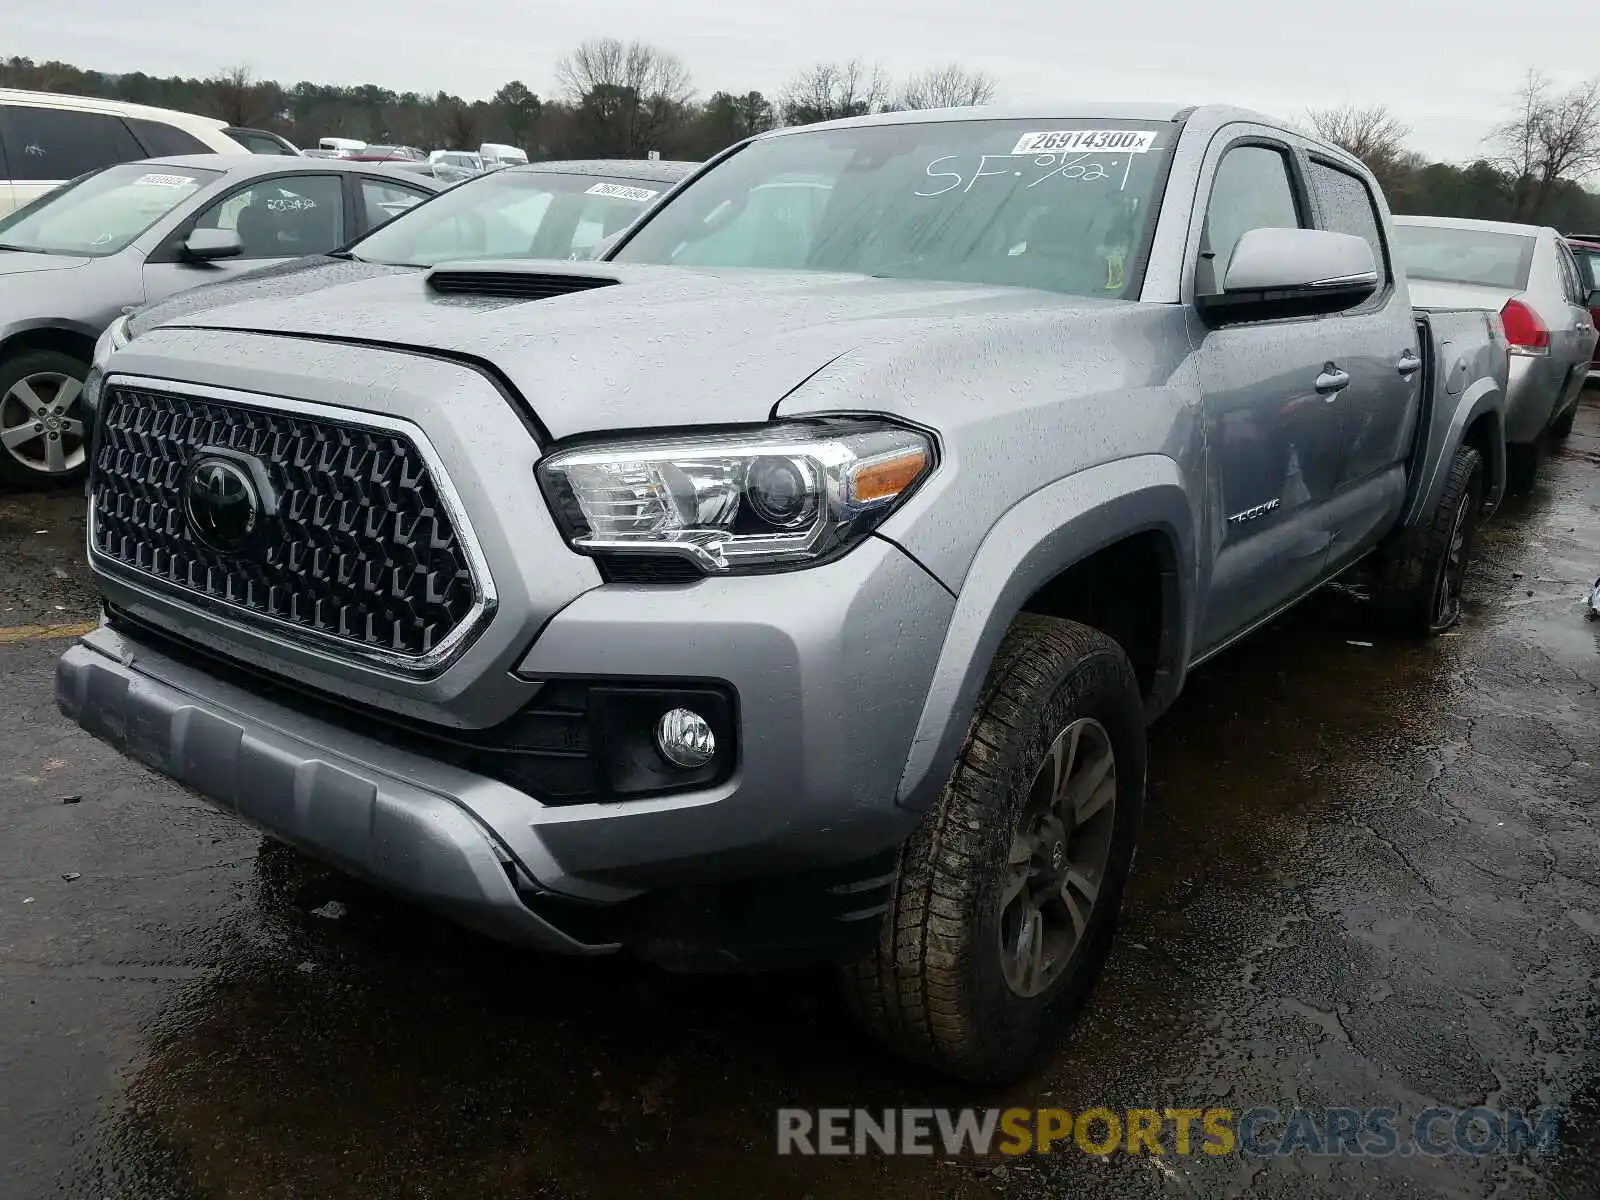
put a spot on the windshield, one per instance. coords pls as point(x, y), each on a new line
point(1444, 254)
point(511, 214)
point(1059, 205)
point(100, 214)
point(1588, 266)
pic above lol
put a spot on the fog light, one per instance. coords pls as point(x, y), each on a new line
point(685, 739)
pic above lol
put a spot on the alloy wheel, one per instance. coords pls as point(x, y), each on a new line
point(1059, 853)
point(41, 423)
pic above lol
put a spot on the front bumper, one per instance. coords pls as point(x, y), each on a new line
point(829, 665)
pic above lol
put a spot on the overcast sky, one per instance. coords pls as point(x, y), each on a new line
point(1445, 68)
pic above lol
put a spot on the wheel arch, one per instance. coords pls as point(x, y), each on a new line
point(66, 337)
point(1123, 531)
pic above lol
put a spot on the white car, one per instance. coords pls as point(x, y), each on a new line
point(47, 139)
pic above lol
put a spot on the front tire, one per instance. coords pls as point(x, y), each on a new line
point(42, 430)
point(1419, 578)
point(1007, 896)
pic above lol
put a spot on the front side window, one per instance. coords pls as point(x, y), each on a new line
point(511, 214)
point(282, 217)
point(1348, 207)
point(1252, 190)
point(1062, 205)
point(1453, 254)
point(103, 212)
point(50, 144)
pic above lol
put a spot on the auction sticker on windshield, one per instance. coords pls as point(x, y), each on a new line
point(1051, 141)
point(622, 191)
point(154, 180)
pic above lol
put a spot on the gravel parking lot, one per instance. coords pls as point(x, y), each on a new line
point(1370, 876)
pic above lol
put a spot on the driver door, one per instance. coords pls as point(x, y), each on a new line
point(276, 218)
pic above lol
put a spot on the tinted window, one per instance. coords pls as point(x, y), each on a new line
point(517, 214)
point(1252, 190)
point(259, 143)
point(59, 143)
point(383, 201)
point(1571, 277)
point(283, 217)
point(160, 139)
point(102, 212)
point(1348, 207)
point(1448, 254)
point(1056, 205)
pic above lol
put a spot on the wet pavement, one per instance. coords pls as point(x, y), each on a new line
point(1370, 875)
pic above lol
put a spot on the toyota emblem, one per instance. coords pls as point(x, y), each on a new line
point(223, 504)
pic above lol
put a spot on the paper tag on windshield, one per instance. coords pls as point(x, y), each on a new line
point(622, 191)
point(163, 181)
point(1086, 141)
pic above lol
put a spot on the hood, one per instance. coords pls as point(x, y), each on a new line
point(665, 346)
point(25, 262)
point(292, 278)
point(1428, 293)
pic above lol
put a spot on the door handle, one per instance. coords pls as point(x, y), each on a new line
point(1409, 363)
point(1332, 381)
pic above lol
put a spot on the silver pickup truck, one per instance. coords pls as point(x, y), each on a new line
point(796, 584)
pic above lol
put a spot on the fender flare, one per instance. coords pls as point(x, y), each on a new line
point(1046, 533)
point(1443, 436)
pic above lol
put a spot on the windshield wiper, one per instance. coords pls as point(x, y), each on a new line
point(22, 249)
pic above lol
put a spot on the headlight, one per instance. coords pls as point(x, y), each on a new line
point(781, 495)
point(113, 339)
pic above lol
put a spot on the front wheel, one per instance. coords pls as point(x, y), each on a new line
point(1006, 900)
point(1420, 576)
point(42, 430)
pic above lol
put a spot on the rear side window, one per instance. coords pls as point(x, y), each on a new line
point(383, 201)
point(1453, 254)
point(1252, 190)
point(160, 139)
point(1571, 277)
point(1348, 207)
point(49, 144)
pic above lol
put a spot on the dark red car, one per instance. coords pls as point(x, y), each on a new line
point(1587, 252)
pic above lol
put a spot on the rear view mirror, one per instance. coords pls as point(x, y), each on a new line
point(1292, 272)
point(208, 245)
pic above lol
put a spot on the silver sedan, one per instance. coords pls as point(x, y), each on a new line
point(1527, 274)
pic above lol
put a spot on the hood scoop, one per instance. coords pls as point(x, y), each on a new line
point(511, 284)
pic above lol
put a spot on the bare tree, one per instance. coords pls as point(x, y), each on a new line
point(1370, 132)
point(627, 96)
point(949, 86)
point(1549, 139)
point(240, 99)
point(834, 89)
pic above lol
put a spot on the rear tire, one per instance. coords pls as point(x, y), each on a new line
point(1563, 425)
point(964, 979)
point(1419, 577)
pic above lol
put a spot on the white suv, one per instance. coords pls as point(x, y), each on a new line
point(47, 139)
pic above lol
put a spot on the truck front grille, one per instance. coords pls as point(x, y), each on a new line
point(354, 542)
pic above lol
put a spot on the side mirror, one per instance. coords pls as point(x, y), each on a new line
point(1593, 302)
point(208, 245)
point(1293, 272)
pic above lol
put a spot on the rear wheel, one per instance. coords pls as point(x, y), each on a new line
point(1007, 896)
point(1563, 424)
point(42, 438)
point(1419, 578)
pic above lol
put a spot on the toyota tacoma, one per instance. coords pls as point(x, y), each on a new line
point(797, 583)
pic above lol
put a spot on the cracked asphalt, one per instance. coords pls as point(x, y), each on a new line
point(1370, 875)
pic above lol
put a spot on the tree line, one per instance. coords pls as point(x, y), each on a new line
point(621, 99)
point(614, 99)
